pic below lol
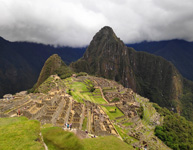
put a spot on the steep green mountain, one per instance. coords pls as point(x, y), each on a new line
point(149, 75)
point(176, 131)
point(21, 63)
point(53, 65)
point(179, 52)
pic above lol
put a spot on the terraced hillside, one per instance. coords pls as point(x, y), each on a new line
point(93, 107)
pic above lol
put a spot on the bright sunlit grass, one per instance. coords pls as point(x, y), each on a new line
point(19, 133)
point(112, 111)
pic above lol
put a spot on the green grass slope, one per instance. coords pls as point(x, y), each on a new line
point(50, 83)
point(112, 111)
point(19, 133)
point(81, 90)
point(106, 143)
point(58, 139)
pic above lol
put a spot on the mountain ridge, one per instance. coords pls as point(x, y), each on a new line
point(149, 75)
point(179, 52)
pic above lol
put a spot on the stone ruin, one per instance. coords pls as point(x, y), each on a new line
point(58, 108)
point(99, 121)
point(122, 97)
point(112, 89)
point(129, 109)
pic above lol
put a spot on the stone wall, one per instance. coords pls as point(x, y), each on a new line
point(57, 112)
point(2, 115)
point(39, 113)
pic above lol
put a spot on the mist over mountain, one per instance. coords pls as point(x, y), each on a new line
point(179, 52)
point(21, 63)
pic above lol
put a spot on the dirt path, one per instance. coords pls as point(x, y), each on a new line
point(68, 112)
point(82, 117)
point(89, 121)
point(102, 94)
point(45, 146)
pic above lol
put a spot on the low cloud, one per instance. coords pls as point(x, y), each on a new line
point(74, 23)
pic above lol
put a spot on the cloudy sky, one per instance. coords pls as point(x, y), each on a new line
point(74, 22)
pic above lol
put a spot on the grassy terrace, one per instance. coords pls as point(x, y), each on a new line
point(125, 137)
point(80, 91)
point(84, 123)
point(46, 85)
point(148, 112)
point(49, 84)
point(106, 143)
point(148, 109)
point(57, 139)
point(108, 89)
point(110, 111)
point(19, 133)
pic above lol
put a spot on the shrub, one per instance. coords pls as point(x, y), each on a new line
point(81, 74)
point(92, 89)
point(67, 75)
point(140, 112)
point(69, 92)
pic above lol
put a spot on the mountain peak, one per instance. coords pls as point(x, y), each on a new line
point(104, 42)
point(106, 30)
point(52, 64)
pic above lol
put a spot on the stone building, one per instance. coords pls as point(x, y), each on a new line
point(8, 97)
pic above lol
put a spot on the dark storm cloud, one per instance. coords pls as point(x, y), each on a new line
point(74, 23)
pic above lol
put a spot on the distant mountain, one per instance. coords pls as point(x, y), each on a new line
point(21, 63)
point(149, 75)
point(179, 52)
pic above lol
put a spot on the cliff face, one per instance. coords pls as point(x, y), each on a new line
point(147, 74)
